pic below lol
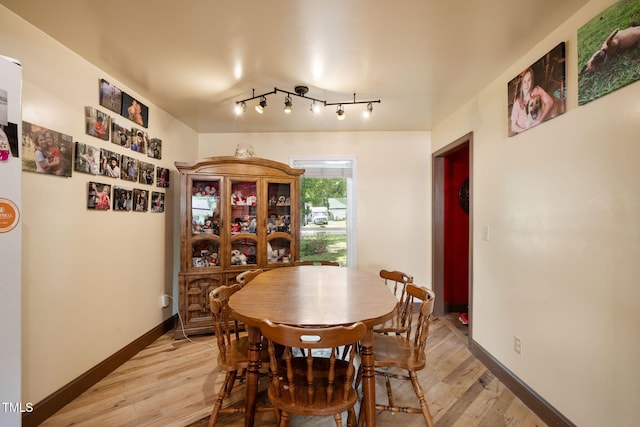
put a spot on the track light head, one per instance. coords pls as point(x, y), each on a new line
point(315, 108)
point(340, 112)
point(367, 113)
point(240, 108)
point(261, 105)
point(288, 106)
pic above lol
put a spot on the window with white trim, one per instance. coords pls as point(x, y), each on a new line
point(327, 207)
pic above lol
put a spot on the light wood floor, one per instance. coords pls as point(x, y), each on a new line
point(173, 383)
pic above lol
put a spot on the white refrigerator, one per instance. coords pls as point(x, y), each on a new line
point(11, 405)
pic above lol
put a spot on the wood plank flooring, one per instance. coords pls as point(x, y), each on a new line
point(173, 383)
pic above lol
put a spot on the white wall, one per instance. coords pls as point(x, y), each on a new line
point(91, 281)
point(561, 269)
point(393, 176)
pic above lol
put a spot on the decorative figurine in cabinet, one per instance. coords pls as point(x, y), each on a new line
point(236, 214)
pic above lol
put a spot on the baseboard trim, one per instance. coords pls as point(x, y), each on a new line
point(533, 400)
point(55, 401)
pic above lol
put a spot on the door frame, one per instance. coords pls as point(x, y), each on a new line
point(438, 217)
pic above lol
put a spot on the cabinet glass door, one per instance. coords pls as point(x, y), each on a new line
point(205, 223)
point(279, 222)
point(244, 222)
point(244, 207)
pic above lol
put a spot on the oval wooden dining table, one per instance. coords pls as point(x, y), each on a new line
point(313, 296)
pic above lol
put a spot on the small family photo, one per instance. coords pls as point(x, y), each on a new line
point(110, 96)
point(538, 93)
point(141, 200)
point(139, 140)
point(109, 163)
point(609, 51)
point(134, 110)
point(154, 149)
point(99, 196)
point(97, 123)
point(162, 177)
point(145, 173)
point(129, 168)
point(120, 135)
point(157, 201)
point(87, 159)
point(46, 151)
point(122, 199)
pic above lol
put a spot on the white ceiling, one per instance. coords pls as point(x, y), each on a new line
point(195, 58)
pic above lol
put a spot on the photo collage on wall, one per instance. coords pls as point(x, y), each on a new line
point(47, 151)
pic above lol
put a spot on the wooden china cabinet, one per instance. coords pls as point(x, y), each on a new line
point(236, 214)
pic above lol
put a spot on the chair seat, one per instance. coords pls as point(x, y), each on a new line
point(321, 404)
point(396, 351)
point(237, 355)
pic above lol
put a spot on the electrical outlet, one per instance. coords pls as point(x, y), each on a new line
point(164, 301)
point(517, 345)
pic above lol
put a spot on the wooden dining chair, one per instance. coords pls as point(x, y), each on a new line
point(232, 349)
point(317, 262)
point(247, 276)
point(397, 282)
point(304, 384)
point(406, 352)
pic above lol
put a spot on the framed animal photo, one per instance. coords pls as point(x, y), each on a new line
point(97, 123)
point(87, 159)
point(99, 196)
point(538, 93)
point(110, 96)
point(46, 151)
point(609, 51)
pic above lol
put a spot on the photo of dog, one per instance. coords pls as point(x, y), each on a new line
point(618, 41)
point(535, 107)
point(537, 93)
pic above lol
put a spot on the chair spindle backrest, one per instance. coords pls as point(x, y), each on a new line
point(397, 282)
point(224, 326)
point(307, 339)
point(418, 331)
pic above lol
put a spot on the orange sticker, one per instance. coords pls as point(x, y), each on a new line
point(9, 215)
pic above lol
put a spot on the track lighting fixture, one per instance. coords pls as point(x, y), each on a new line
point(288, 107)
point(301, 92)
point(261, 105)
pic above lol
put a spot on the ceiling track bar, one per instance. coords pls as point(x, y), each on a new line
point(301, 95)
